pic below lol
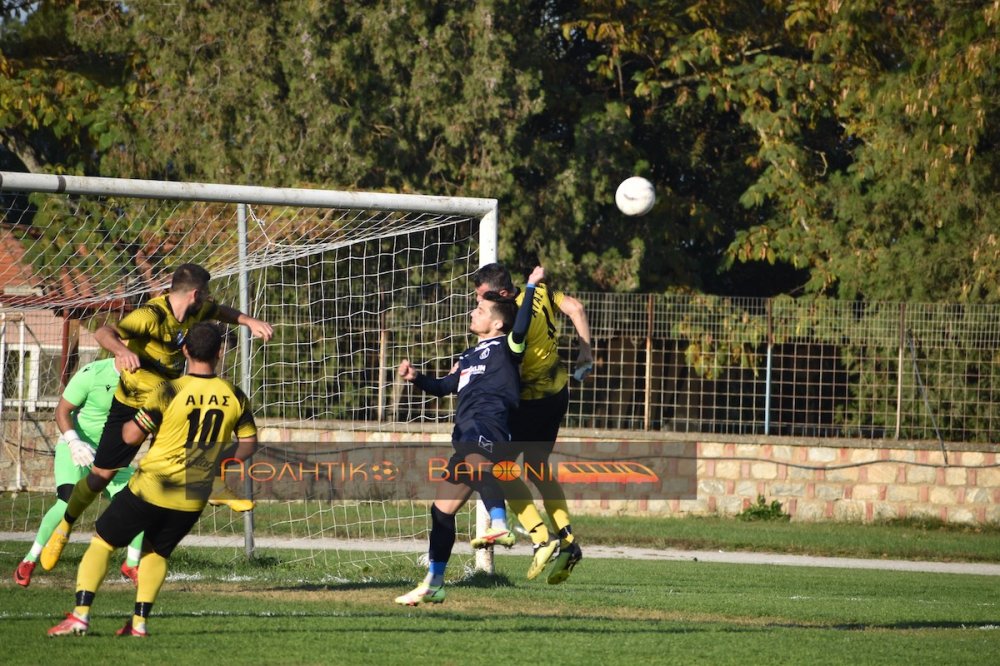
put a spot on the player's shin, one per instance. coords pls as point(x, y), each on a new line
point(442, 540)
point(45, 529)
point(530, 519)
point(94, 565)
point(152, 573)
point(82, 497)
point(557, 507)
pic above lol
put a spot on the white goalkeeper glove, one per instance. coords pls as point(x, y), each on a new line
point(79, 451)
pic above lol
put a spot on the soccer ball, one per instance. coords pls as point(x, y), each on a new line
point(635, 196)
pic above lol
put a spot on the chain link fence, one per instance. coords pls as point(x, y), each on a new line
point(787, 367)
point(696, 364)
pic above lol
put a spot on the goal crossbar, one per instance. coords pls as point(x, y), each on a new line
point(250, 194)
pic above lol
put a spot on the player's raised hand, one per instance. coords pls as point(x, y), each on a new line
point(537, 275)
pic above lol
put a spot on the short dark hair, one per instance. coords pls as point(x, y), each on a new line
point(505, 308)
point(495, 276)
point(188, 277)
point(204, 341)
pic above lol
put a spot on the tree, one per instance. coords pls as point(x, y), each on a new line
point(65, 102)
point(820, 147)
point(865, 136)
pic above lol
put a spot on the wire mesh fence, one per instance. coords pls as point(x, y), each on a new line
point(786, 367)
point(686, 364)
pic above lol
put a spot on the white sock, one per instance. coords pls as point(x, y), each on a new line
point(36, 550)
point(133, 555)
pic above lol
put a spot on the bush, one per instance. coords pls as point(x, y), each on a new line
point(764, 511)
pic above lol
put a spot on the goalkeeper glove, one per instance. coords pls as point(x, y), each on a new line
point(79, 451)
point(582, 371)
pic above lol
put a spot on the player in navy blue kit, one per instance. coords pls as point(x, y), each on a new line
point(487, 381)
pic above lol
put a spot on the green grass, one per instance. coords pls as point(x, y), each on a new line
point(914, 540)
point(214, 610)
point(905, 540)
point(217, 607)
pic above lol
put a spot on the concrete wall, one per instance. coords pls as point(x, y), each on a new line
point(815, 480)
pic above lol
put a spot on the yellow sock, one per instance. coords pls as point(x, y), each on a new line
point(80, 499)
point(94, 565)
point(557, 507)
point(560, 517)
point(530, 519)
point(152, 573)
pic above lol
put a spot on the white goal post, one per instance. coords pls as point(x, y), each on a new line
point(347, 278)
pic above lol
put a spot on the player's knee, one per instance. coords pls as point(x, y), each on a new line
point(547, 486)
point(99, 478)
point(442, 516)
point(97, 542)
point(64, 491)
point(536, 461)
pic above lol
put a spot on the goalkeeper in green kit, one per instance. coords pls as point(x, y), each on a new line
point(80, 416)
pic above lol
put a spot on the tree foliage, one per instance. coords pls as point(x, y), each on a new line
point(868, 148)
point(800, 146)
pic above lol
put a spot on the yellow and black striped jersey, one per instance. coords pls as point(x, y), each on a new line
point(153, 333)
point(542, 371)
point(194, 418)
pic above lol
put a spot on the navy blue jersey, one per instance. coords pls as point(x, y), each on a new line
point(487, 381)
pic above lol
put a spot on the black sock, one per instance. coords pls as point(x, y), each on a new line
point(442, 535)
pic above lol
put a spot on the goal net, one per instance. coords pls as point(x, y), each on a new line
point(352, 283)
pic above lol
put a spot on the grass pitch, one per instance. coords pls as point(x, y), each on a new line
point(213, 610)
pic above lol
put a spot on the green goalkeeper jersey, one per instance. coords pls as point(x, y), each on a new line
point(91, 390)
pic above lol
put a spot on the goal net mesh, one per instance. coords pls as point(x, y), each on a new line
point(349, 292)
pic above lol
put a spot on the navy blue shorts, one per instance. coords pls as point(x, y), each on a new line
point(491, 443)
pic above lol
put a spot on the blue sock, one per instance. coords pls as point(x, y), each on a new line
point(498, 516)
point(436, 573)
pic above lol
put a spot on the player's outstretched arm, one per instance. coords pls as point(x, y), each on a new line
point(439, 387)
point(258, 328)
point(573, 309)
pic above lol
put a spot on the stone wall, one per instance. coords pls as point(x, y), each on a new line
point(815, 479)
point(849, 481)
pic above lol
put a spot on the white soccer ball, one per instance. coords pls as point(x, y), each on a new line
point(635, 196)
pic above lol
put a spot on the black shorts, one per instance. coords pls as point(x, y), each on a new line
point(534, 425)
point(112, 451)
point(127, 515)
